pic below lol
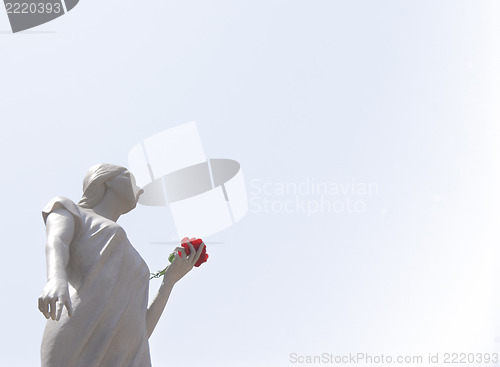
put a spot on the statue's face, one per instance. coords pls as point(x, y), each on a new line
point(125, 186)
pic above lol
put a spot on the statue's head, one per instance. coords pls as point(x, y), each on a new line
point(104, 176)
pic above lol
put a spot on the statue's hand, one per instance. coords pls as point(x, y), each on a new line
point(182, 264)
point(54, 297)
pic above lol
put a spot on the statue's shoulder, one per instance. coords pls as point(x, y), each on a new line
point(61, 202)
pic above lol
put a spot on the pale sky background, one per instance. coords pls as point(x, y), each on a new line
point(402, 94)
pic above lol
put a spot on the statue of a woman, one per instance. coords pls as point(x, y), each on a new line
point(96, 297)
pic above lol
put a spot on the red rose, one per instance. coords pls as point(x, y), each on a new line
point(196, 244)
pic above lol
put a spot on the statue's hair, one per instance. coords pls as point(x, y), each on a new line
point(94, 183)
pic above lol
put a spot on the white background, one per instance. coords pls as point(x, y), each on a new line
point(403, 94)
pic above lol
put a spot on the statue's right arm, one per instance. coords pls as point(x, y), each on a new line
point(60, 227)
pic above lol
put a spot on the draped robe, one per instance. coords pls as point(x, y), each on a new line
point(108, 284)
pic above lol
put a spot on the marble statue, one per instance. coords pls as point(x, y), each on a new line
point(96, 297)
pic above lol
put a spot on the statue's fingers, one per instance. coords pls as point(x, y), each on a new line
point(182, 253)
point(69, 306)
point(192, 252)
point(41, 306)
point(59, 308)
point(45, 307)
point(198, 253)
point(177, 252)
point(53, 308)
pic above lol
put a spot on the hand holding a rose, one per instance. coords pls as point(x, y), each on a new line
point(185, 258)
